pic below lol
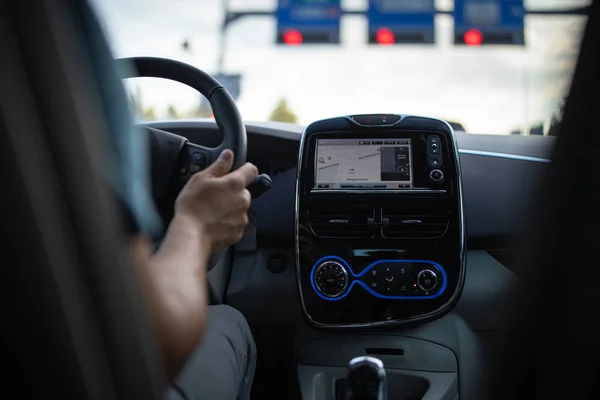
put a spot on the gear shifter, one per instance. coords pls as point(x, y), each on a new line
point(366, 379)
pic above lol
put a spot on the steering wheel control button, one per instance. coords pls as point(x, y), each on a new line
point(331, 279)
point(197, 162)
point(436, 176)
point(427, 280)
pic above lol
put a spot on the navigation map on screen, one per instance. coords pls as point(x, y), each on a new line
point(363, 164)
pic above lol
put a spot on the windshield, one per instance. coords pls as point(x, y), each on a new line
point(490, 67)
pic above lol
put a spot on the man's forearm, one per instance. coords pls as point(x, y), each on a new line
point(177, 293)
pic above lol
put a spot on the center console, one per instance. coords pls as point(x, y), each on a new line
point(379, 222)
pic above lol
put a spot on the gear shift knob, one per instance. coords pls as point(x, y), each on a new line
point(366, 379)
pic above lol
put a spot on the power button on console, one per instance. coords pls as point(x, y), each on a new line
point(436, 175)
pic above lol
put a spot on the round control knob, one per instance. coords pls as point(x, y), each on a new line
point(427, 280)
point(331, 279)
point(436, 175)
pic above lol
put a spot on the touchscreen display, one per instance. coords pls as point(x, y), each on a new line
point(363, 164)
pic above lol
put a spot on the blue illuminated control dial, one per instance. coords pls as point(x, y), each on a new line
point(331, 279)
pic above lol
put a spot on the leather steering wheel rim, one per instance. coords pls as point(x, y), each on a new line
point(226, 113)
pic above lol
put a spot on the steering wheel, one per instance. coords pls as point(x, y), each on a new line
point(173, 156)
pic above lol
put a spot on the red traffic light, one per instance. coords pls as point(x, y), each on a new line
point(385, 37)
point(473, 37)
point(292, 37)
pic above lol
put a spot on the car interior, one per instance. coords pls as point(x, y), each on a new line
point(465, 271)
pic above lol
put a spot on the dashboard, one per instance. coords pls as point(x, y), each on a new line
point(433, 340)
point(499, 175)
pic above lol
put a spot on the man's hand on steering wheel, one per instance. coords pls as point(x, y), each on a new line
point(216, 201)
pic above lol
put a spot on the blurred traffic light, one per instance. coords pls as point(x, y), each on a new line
point(385, 37)
point(292, 37)
point(473, 37)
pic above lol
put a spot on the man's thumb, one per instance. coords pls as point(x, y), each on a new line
point(222, 165)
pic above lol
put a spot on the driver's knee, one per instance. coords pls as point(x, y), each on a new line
point(223, 364)
point(232, 324)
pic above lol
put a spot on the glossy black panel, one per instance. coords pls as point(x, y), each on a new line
point(382, 240)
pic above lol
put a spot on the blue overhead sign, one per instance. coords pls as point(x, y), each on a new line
point(308, 21)
point(493, 21)
point(406, 21)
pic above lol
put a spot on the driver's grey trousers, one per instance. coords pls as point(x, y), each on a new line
point(222, 367)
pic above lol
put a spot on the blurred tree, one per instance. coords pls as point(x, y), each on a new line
point(282, 113)
point(136, 102)
point(137, 106)
point(200, 112)
point(149, 114)
point(172, 112)
point(554, 129)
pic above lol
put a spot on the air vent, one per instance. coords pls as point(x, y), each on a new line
point(342, 222)
point(414, 223)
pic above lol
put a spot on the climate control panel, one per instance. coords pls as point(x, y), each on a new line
point(333, 278)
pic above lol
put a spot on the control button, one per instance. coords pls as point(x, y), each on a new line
point(323, 186)
point(389, 279)
point(427, 280)
point(434, 145)
point(331, 279)
point(277, 263)
point(197, 162)
point(436, 175)
point(197, 157)
point(435, 161)
point(373, 279)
